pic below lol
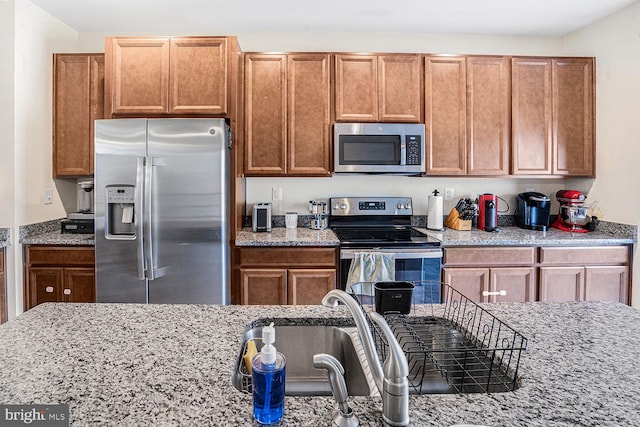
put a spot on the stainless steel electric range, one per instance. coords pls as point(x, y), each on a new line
point(383, 224)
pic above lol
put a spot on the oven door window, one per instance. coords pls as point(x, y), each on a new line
point(370, 150)
point(424, 273)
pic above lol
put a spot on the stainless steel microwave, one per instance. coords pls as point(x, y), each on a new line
point(379, 148)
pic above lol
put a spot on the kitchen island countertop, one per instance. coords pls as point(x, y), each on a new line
point(132, 365)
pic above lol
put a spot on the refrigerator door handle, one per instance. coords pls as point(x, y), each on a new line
point(138, 220)
point(148, 232)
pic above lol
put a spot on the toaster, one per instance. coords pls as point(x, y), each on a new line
point(261, 218)
point(532, 211)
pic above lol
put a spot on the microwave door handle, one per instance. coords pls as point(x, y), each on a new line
point(399, 254)
point(403, 153)
point(138, 212)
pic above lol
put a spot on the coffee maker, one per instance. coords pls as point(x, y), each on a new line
point(81, 221)
point(532, 211)
point(573, 213)
point(488, 212)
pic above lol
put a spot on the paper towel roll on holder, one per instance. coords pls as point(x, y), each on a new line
point(434, 212)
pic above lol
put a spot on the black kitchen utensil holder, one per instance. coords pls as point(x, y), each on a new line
point(453, 347)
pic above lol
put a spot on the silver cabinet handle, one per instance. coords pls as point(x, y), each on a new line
point(488, 294)
point(49, 289)
point(67, 291)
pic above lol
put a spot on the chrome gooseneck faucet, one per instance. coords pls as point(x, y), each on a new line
point(392, 382)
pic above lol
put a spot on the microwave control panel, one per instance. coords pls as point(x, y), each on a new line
point(414, 156)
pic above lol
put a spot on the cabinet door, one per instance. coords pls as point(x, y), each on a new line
point(139, 75)
point(531, 116)
point(573, 116)
point(470, 282)
point(399, 88)
point(45, 285)
point(308, 138)
point(263, 286)
point(488, 115)
point(198, 75)
point(445, 115)
point(559, 284)
point(356, 88)
point(96, 99)
point(518, 284)
point(607, 283)
point(72, 130)
point(266, 119)
point(308, 287)
point(79, 285)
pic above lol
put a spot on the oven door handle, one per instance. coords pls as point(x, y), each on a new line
point(399, 253)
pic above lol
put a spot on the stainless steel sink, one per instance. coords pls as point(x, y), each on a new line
point(298, 344)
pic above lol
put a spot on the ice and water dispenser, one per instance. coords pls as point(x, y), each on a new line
point(119, 220)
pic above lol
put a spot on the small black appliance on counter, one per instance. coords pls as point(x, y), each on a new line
point(532, 211)
point(77, 226)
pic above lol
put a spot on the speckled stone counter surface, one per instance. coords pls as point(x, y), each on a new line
point(133, 365)
point(49, 233)
point(4, 237)
point(287, 237)
point(606, 234)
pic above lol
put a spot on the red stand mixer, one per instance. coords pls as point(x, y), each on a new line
point(573, 213)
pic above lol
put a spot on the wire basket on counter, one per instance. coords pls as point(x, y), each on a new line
point(452, 344)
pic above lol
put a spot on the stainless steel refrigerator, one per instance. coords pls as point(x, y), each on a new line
point(161, 209)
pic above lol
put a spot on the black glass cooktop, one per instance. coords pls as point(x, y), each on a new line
point(384, 236)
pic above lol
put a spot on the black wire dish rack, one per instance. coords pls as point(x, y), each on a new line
point(452, 347)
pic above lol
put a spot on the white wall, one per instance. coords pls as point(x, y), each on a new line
point(615, 42)
point(7, 107)
point(25, 118)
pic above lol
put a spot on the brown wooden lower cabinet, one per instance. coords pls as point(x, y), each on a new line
point(59, 274)
point(500, 284)
point(283, 275)
point(556, 274)
point(3, 290)
point(505, 274)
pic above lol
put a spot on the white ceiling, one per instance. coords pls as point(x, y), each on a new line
point(500, 17)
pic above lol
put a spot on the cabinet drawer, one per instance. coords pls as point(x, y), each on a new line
point(59, 255)
point(289, 257)
point(489, 256)
point(595, 255)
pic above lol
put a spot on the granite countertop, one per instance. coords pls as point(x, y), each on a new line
point(50, 233)
point(515, 236)
point(131, 365)
point(4, 237)
point(280, 236)
point(611, 234)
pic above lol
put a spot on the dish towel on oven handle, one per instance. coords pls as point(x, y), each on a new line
point(371, 267)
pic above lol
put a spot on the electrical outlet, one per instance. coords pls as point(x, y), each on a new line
point(48, 196)
point(530, 189)
point(449, 193)
point(276, 194)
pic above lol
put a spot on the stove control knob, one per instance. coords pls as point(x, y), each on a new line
point(399, 206)
point(407, 205)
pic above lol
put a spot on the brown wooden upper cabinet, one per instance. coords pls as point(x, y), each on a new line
point(162, 75)
point(287, 114)
point(378, 88)
point(553, 116)
point(78, 100)
point(467, 115)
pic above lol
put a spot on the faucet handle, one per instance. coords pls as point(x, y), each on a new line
point(345, 416)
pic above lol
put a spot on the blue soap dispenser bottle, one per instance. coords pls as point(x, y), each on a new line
point(268, 375)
